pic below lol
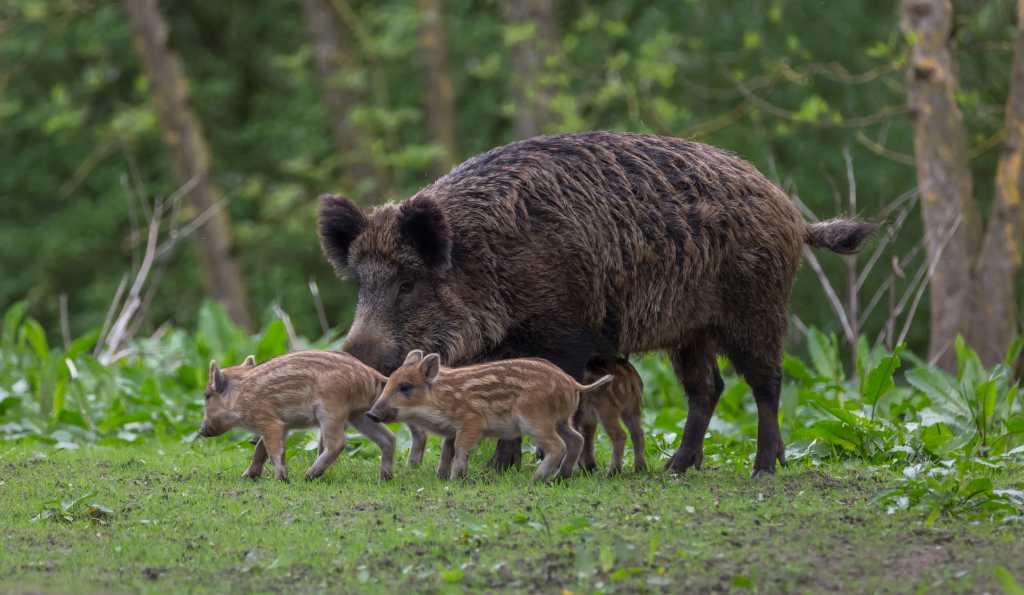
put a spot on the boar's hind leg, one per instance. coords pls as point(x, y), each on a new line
point(332, 437)
point(586, 420)
point(573, 446)
point(382, 437)
point(508, 454)
point(259, 457)
point(610, 422)
point(634, 423)
point(763, 373)
point(698, 372)
point(554, 452)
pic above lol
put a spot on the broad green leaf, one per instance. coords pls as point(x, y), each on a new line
point(274, 341)
point(975, 487)
point(1008, 582)
point(32, 332)
point(12, 320)
point(879, 380)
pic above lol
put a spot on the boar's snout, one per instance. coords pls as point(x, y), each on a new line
point(381, 415)
point(372, 351)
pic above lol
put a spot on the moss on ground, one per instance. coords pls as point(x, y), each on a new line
point(182, 520)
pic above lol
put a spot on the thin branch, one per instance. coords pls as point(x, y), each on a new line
point(114, 304)
point(883, 151)
point(890, 235)
point(314, 290)
point(931, 272)
point(830, 292)
point(855, 122)
point(888, 284)
point(65, 326)
point(293, 339)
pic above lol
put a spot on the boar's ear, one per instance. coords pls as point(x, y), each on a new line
point(414, 356)
point(341, 222)
point(217, 380)
point(250, 361)
point(430, 366)
point(423, 224)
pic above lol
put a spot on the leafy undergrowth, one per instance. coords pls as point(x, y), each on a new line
point(169, 516)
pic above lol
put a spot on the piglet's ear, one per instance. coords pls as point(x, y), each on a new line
point(217, 379)
point(423, 224)
point(430, 366)
point(414, 356)
point(250, 361)
point(341, 222)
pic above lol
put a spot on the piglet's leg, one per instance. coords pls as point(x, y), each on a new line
point(419, 442)
point(259, 457)
point(464, 442)
point(554, 451)
point(573, 446)
point(444, 466)
point(382, 437)
point(273, 441)
point(332, 437)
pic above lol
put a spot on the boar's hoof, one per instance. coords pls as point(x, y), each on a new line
point(252, 474)
point(763, 472)
point(313, 474)
point(385, 475)
point(683, 460)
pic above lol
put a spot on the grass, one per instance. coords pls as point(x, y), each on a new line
point(181, 519)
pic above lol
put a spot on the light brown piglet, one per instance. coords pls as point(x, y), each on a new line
point(504, 399)
point(303, 389)
point(621, 399)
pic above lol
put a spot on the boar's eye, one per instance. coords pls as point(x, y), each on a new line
point(405, 287)
point(405, 388)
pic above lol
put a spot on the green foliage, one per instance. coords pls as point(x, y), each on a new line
point(84, 152)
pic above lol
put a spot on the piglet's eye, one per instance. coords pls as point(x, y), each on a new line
point(405, 388)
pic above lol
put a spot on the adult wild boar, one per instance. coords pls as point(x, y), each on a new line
point(572, 246)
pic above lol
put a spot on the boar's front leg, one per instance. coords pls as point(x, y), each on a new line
point(273, 441)
point(444, 465)
point(382, 437)
point(259, 457)
point(419, 442)
point(332, 438)
point(465, 440)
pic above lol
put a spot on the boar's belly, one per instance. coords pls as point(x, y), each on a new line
point(503, 427)
point(299, 417)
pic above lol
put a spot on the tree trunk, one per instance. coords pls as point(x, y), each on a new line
point(534, 44)
point(335, 56)
point(184, 137)
point(440, 94)
point(943, 173)
point(995, 309)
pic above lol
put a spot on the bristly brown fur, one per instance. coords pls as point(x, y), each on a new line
point(572, 246)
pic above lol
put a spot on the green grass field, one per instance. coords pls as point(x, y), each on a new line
point(180, 519)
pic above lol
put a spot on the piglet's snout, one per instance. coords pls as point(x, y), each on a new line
point(381, 414)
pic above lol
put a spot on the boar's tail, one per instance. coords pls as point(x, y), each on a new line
point(586, 388)
point(843, 236)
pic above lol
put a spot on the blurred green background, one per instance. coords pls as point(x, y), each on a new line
point(789, 85)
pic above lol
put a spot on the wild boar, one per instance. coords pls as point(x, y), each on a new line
point(504, 399)
point(575, 246)
point(303, 389)
point(621, 399)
